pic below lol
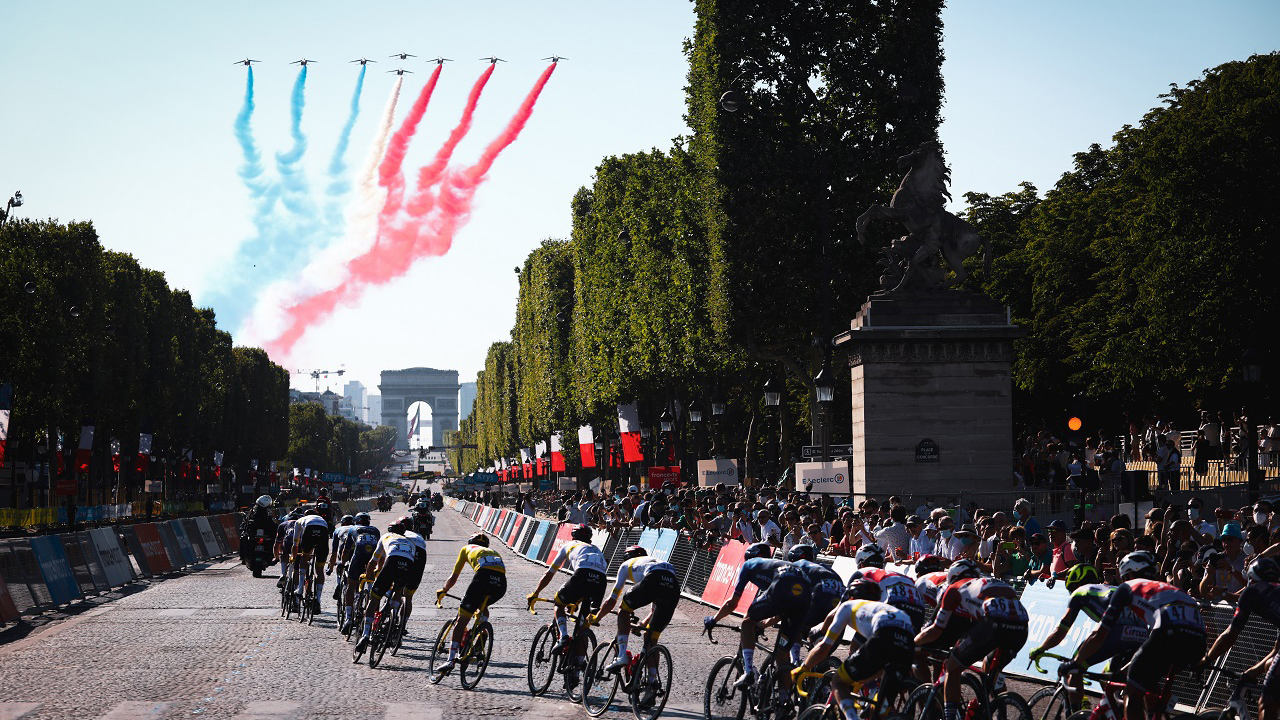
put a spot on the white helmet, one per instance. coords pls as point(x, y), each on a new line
point(264, 501)
point(961, 569)
point(870, 555)
point(1137, 564)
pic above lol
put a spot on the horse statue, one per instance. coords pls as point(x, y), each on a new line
point(911, 262)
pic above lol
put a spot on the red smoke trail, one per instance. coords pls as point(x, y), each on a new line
point(455, 203)
point(389, 175)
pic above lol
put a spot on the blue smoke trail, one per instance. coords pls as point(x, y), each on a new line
point(339, 184)
point(296, 196)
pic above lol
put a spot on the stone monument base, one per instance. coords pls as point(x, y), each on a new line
point(932, 396)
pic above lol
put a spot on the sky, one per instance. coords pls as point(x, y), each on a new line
point(122, 113)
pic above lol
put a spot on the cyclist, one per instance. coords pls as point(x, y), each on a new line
point(1091, 596)
point(487, 586)
point(258, 524)
point(346, 526)
point(827, 591)
point(356, 552)
point(1261, 595)
point(655, 584)
point(324, 506)
point(419, 565)
point(1176, 639)
point(882, 641)
point(390, 567)
point(782, 592)
point(585, 585)
point(311, 547)
point(284, 543)
point(931, 577)
point(896, 589)
point(977, 616)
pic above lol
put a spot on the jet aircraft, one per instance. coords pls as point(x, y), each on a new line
point(403, 56)
point(555, 58)
point(401, 71)
point(363, 61)
point(440, 60)
point(245, 62)
point(493, 60)
point(303, 62)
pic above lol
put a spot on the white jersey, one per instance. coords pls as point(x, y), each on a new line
point(309, 521)
point(393, 545)
point(636, 568)
point(865, 617)
point(419, 542)
point(578, 555)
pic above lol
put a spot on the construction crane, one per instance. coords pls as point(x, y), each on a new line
point(317, 374)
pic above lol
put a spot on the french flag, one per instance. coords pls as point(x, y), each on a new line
point(587, 446)
point(629, 429)
point(540, 450)
point(85, 452)
point(557, 453)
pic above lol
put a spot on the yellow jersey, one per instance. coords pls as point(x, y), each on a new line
point(479, 557)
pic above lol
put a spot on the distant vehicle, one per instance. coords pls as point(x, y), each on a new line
point(303, 62)
point(245, 62)
point(363, 61)
point(440, 60)
point(493, 59)
point(401, 71)
point(555, 58)
point(403, 56)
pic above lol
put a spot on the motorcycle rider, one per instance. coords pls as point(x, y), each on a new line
point(423, 519)
point(258, 523)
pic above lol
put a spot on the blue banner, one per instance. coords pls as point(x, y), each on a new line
point(1045, 607)
point(184, 543)
point(58, 576)
point(665, 543)
point(538, 536)
point(649, 539)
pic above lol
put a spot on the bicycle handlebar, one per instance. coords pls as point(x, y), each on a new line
point(798, 680)
point(1053, 656)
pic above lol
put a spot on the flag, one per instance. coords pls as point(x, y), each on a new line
point(557, 453)
point(541, 453)
point(629, 429)
point(115, 455)
point(413, 423)
point(6, 407)
point(587, 446)
point(217, 458)
point(85, 452)
point(144, 453)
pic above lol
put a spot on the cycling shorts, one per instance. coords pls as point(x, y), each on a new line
point(888, 647)
point(1271, 680)
point(356, 565)
point(915, 612)
point(415, 575)
point(396, 571)
point(487, 587)
point(1121, 643)
point(787, 597)
point(1166, 651)
point(662, 589)
point(820, 605)
point(585, 585)
point(987, 635)
point(315, 538)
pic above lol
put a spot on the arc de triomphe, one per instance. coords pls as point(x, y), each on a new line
point(402, 388)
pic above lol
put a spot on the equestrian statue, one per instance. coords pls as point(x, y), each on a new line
point(911, 261)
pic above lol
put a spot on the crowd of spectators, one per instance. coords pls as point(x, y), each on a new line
point(1201, 550)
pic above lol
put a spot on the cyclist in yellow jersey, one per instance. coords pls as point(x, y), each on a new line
point(487, 587)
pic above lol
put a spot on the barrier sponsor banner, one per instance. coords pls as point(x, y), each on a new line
point(711, 472)
point(648, 539)
point(539, 537)
point(829, 478)
point(665, 544)
point(193, 536)
point(154, 557)
point(8, 610)
point(58, 577)
point(1045, 607)
point(600, 538)
point(171, 547)
point(562, 537)
point(231, 531)
point(207, 536)
point(516, 525)
point(844, 567)
point(114, 563)
point(720, 585)
point(184, 543)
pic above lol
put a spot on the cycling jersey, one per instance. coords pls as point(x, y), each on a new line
point(479, 557)
point(884, 633)
point(312, 533)
point(827, 590)
point(339, 538)
point(758, 572)
point(636, 569)
point(865, 617)
point(393, 545)
point(1154, 603)
point(978, 598)
point(284, 532)
point(788, 597)
point(930, 585)
point(656, 584)
point(362, 543)
point(579, 555)
point(1262, 598)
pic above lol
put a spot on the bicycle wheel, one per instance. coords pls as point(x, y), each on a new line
point(1010, 706)
point(395, 632)
point(762, 693)
point(722, 700)
point(820, 711)
point(642, 679)
point(1038, 702)
point(599, 686)
point(924, 703)
point(475, 656)
point(589, 642)
point(1058, 706)
point(541, 668)
point(378, 639)
point(973, 697)
point(440, 651)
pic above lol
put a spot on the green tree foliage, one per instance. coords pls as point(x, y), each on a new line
point(1147, 271)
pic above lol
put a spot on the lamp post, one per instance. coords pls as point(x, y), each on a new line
point(1251, 374)
point(695, 419)
point(717, 412)
point(825, 389)
point(772, 401)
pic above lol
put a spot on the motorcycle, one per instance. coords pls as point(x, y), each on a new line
point(259, 556)
point(423, 522)
point(384, 504)
point(437, 502)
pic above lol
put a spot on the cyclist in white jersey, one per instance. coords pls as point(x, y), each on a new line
point(586, 585)
point(419, 565)
point(390, 566)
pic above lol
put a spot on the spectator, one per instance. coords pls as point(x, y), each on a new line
point(1084, 548)
point(814, 537)
point(1195, 511)
point(769, 530)
point(1040, 558)
point(1221, 581)
point(1024, 514)
point(1063, 558)
point(895, 539)
point(1233, 547)
point(921, 543)
point(946, 545)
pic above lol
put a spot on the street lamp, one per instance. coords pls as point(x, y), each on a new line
point(825, 389)
point(772, 401)
point(695, 418)
point(772, 396)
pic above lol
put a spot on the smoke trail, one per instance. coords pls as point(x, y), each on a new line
point(251, 170)
point(456, 204)
point(339, 185)
point(297, 196)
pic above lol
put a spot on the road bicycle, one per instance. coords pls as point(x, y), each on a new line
point(1112, 705)
point(339, 593)
point(545, 657)
point(1054, 702)
point(386, 628)
point(722, 699)
point(978, 699)
point(288, 600)
point(356, 619)
point(473, 652)
point(1244, 696)
point(600, 685)
point(870, 698)
point(307, 606)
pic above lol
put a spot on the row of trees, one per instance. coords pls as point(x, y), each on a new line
point(331, 443)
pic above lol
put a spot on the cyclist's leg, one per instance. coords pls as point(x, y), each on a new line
point(972, 647)
point(1269, 697)
point(321, 554)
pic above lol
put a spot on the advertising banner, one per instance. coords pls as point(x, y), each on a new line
point(169, 539)
point(516, 527)
point(114, 564)
point(665, 544)
point(831, 478)
point(1045, 607)
point(561, 537)
point(8, 610)
point(155, 486)
point(659, 476)
point(648, 539)
point(156, 559)
point(567, 484)
point(230, 531)
point(52, 559)
point(207, 536)
point(720, 585)
point(184, 543)
point(711, 472)
point(539, 536)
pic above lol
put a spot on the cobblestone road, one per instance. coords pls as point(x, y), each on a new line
point(211, 644)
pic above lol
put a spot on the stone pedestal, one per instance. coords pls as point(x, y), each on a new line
point(932, 396)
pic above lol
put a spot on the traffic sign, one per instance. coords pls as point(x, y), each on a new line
point(833, 451)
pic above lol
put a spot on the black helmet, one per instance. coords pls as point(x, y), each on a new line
point(400, 524)
point(347, 520)
point(363, 519)
point(635, 551)
point(755, 550)
point(478, 539)
point(803, 551)
point(581, 532)
point(1263, 570)
point(862, 589)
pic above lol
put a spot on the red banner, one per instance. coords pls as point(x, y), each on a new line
point(587, 446)
point(232, 532)
point(562, 537)
point(557, 454)
point(658, 476)
point(149, 538)
point(515, 528)
point(720, 585)
point(8, 611)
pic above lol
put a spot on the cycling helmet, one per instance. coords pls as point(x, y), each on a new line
point(870, 555)
point(1082, 574)
point(347, 520)
point(1140, 564)
point(1263, 570)
point(961, 569)
point(755, 550)
point(363, 519)
point(862, 589)
point(930, 563)
point(295, 513)
point(478, 539)
point(581, 532)
point(803, 551)
point(399, 525)
point(635, 551)
point(264, 501)
point(312, 511)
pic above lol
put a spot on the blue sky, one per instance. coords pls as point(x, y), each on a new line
point(122, 113)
